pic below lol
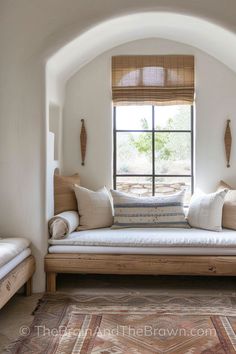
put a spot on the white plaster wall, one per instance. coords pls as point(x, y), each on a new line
point(54, 101)
point(88, 96)
point(30, 33)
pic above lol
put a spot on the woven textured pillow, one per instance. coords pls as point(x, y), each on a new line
point(131, 211)
point(205, 210)
point(64, 195)
point(229, 208)
point(94, 208)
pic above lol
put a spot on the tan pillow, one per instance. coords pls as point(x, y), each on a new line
point(229, 208)
point(223, 185)
point(64, 195)
point(94, 208)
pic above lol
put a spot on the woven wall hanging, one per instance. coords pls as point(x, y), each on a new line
point(228, 142)
point(83, 142)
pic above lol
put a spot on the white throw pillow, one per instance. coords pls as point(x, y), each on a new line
point(205, 210)
point(95, 210)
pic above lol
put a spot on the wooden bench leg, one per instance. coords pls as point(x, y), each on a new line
point(51, 282)
point(28, 287)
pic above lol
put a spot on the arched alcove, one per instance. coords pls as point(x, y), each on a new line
point(78, 53)
point(72, 57)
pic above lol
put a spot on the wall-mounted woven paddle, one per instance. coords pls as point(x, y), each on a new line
point(228, 142)
point(83, 142)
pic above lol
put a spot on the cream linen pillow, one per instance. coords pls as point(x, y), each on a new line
point(94, 208)
point(205, 210)
point(229, 208)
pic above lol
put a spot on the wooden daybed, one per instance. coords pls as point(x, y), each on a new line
point(17, 270)
point(215, 257)
point(219, 261)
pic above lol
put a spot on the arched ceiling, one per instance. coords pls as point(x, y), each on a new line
point(200, 33)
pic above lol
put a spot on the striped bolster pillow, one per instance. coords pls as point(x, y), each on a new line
point(131, 211)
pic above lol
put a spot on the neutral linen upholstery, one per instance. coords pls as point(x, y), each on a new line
point(95, 210)
point(153, 79)
point(6, 268)
point(180, 251)
point(205, 210)
point(229, 208)
point(149, 238)
point(11, 247)
point(131, 211)
point(63, 224)
point(64, 196)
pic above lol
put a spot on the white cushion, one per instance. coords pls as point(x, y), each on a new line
point(205, 210)
point(183, 251)
point(11, 247)
point(166, 237)
point(6, 268)
point(94, 208)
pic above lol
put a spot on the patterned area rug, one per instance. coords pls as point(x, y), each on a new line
point(130, 324)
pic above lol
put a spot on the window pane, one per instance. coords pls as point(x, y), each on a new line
point(138, 186)
point(173, 117)
point(173, 153)
point(134, 153)
point(133, 117)
point(171, 185)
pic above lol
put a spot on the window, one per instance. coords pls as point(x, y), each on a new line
point(153, 149)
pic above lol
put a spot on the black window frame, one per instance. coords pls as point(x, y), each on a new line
point(153, 175)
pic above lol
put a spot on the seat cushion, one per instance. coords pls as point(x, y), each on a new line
point(166, 237)
point(174, 251)
point(11, 247)
point(7, 268)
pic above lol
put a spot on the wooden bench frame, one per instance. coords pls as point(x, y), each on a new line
point(16, 278)
point(136, 264)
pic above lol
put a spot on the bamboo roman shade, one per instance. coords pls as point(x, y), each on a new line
point(151, 79)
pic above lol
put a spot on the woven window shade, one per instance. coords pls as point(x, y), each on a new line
point(151, 79)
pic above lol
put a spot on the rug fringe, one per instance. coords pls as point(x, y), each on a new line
point(38, 306)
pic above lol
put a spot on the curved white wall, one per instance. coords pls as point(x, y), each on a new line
point(187, 29)
point(88, 95)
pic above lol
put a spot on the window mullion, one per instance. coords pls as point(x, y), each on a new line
point(192, 150)
point(114, 148)
point(153, 151)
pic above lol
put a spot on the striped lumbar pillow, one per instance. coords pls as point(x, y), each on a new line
point(131, 211)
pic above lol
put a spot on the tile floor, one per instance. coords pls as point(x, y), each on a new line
point(18, 311)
